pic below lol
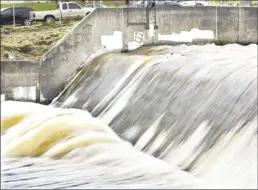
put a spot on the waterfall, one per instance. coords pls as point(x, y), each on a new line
point(190, 110)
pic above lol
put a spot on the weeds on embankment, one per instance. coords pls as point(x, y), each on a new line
point(52, 5)
point(29, 43)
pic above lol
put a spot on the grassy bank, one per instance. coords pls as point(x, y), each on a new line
point(52, 6)
point(29, 43)
point(35, 6)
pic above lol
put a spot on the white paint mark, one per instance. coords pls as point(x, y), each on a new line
point(27, 93)
point(138, 41)
point(134, 45)
point(184, 36)
point(112, 42)
point(115, 41)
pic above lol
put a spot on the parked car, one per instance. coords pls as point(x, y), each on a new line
point(95, 6)
point(156, 3)
point(193, 3)
point(22, 16)
point(164, 3)
point(64, 10)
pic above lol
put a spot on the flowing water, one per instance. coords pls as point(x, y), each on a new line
point(163, 117)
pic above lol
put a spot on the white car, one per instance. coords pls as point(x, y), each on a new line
point(193, 3)
point(64, 10)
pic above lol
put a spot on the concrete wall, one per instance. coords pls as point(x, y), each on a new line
point(228, 24)
point(116, 29)
point(83, 42)
point(19, 80)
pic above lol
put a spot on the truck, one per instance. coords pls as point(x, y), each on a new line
point(64, 10)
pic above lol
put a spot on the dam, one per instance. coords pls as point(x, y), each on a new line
point(180, 115)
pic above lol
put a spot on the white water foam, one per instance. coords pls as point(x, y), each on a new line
point(73, 136)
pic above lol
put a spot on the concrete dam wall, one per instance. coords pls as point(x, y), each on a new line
point(129, 28)
point(20, 79)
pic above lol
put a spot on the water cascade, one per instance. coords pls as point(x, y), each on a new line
point(163, 117)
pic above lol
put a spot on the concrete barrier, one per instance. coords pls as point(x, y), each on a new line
point(129, 28)
point(19, 80)
point(78, 46)
point(248, 25)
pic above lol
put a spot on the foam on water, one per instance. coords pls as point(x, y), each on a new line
point(179, 117)
point(80, 142)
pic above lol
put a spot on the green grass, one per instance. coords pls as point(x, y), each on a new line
point(29, 43)
point(52, 6)
point(35, 6)
point(112, 4)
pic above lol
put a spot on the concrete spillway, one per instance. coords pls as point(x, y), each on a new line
point(190, 113)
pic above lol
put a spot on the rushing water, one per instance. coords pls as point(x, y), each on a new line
point(190, 113)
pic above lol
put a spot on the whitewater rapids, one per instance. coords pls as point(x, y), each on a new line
point(180, 117)
point(80, 151)
point(41, 141)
